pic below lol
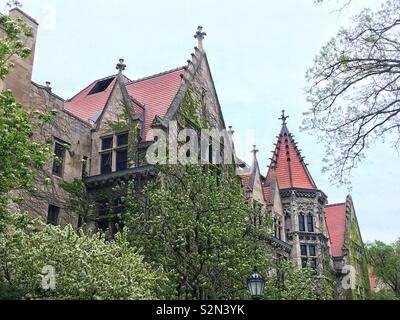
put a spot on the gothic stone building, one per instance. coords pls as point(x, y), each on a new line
point(91, 138)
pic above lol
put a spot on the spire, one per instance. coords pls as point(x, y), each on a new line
point(120, 66)
point(200, 37)
point(287, 163)
point(254, 168)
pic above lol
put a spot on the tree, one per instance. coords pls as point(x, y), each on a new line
point(19, 155)
point(195, 223)
point(354, 90)
point(87, 267)
point(385, 261)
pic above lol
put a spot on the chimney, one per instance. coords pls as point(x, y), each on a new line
point(20, 77)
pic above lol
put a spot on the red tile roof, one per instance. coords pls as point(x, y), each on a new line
point(267, 193)
point(335, 215)
point(88, 107)
point(156, 93)
point(290, 169)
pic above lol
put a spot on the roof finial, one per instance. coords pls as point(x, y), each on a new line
point(14, 4)
point(200, 36)
point(121, 66)
point(283, 118)
point(255, 151)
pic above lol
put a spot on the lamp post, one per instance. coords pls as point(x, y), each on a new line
point(256, 284)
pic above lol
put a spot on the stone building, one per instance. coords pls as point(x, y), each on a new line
point(100, 137)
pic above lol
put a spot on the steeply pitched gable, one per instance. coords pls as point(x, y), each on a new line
point(290, 168)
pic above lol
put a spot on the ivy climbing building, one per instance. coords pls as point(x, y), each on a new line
point(100, 137)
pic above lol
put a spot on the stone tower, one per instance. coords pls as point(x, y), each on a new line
point(303, 203)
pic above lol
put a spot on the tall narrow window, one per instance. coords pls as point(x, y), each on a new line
point(310, 223)
point(52, 215)
point(84, 167)
point(311, 251)
point(303, 250)
point(122, 159)
point(302, 226)
point(279, 229)
point(58, 163)
point(106, 163)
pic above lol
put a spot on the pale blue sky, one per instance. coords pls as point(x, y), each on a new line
point(258, 52)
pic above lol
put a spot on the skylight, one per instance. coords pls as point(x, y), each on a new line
point(101, 86)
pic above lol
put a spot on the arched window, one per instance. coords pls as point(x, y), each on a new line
point(302, 226)
point(310, 223)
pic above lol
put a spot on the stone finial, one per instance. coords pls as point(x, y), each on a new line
point(200, 36)
point(14, 4)
point(48, 86)
point(121, 66)
point(283, 118)
point(255, 151)
point(231, 132)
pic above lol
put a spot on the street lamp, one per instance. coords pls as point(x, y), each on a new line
point(256, 284)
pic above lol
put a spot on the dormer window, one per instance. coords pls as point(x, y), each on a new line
point(101, 86)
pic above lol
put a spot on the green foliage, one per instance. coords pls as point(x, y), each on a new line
point(12, 44)
point(353, 89)
point(194, 222)
point(78, 204)
point(299, 284)
point(188, 111)
point(385, 261)
point(87, 267)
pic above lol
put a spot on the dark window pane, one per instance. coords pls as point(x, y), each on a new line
point(122, 159)
point(103, 226)
point(101, 86)
point(106, 163)
point(107, 143)
point(122, 139)
point(303, 249)
point(103, 209)
point(310, 223)
point(59, 153)
point(304, 262)
point(302, 226)
point(311, 251)
point(313, 263)
point(84, 167)
point(52, 215)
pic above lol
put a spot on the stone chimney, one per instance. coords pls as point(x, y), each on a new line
point(20, 77)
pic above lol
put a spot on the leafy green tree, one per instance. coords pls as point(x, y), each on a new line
point(385, 261)
point(195, 223)
point(19, 155)
point(353, 88)
point(87, 267)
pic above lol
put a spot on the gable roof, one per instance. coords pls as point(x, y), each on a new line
point(288, 164)
point(335, 216)
point(156, 93)
point(153, 95)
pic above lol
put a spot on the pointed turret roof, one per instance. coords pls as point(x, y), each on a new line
point(287, 164)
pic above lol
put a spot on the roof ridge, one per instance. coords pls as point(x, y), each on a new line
point(335, 205)
point(155, 75)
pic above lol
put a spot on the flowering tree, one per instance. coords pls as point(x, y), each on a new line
point(354, 89)
point(86, 267)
